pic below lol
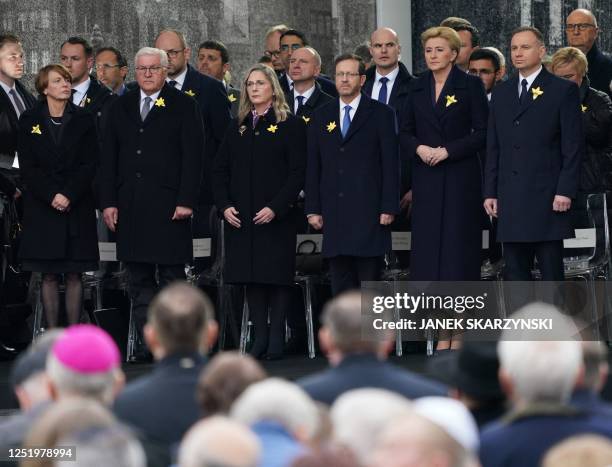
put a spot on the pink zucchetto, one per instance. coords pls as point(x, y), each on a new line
point(85, 348)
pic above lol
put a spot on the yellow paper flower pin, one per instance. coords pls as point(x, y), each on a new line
point(450, 100)
point(272, 128)
point(190, 93)
point(36, 130)
point(584, 108)
point(88, 100)
point(231, 98)
point(331, 126)
point(306, 119)
point(159, 102)
point(536, 92)
point(242, 129)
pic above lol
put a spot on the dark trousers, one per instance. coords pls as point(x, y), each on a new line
point(143, 284)
point(348, 272)
point(519, 259)
point(263, 300)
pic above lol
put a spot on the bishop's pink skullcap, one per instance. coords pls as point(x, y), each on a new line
point(85, 348)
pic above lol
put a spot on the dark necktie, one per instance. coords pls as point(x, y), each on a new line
point(523, 96)
point(346, 122)
point(172, 83)
point(300, 100)
point(382, 94)
point(72, 93)
point(145, 108)
point(18, 105)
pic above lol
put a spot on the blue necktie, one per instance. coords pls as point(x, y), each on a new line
point(300, 100)
point(523, 95)
point(346, 121)
point(382, 95)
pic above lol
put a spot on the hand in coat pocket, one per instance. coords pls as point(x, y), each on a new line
point(182, 212)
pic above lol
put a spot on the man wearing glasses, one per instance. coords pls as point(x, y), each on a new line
point(272, 50)
point(484, 63)
point(111, 69)
point(150, 181)
point(581, 29)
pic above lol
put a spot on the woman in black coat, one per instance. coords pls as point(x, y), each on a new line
point(258, 174)
point(58, 150)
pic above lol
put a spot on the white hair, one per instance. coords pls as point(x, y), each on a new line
point(543, 370)
point(219, 441)
point(280, 401)
point(98, 386)
point(36, 387)
point(163, 56)
point(360, 415)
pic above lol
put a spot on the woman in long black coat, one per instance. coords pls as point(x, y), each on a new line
point(258, 174)
point(58, 150)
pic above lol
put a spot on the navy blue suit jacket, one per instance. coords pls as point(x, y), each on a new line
point(365, 370)
point(534, 151)
point(351, 181)
point(327, 85)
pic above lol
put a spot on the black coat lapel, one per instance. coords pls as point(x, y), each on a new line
point(534, 92)
point(160, 104)
point(131, 105)
point(5, 101)
point(456, 80)
point(361, 116)
point(423, 99)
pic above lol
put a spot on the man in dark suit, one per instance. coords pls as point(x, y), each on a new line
point(211, 96)
point(111, 69)
point(179, 331)
point(290, 41)
point(534, 148)
point(77, 56)
point(358, 363)
point(306, 96)
point(150, 179)
point(213, 61)
point(484, 63)
point(582, 31)
point(352, 180)
point(14, 100)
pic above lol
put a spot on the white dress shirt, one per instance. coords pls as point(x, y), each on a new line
point(306, 95)
point(153, 97)
point(354, 104)
point(377, 84)
point(7, 90)
point(530, 79)
point(180, 79)
point(81, 91)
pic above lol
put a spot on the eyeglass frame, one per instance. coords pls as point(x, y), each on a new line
point(173, 53)
point(151, 69)
point(346, 74)
point(580, 26)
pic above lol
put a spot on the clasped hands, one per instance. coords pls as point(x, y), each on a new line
point(263, 216)
point(431, 156)
point(60, 202)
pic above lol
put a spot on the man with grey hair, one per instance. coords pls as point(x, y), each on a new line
point(538, 378)
point(357, 362)
point(272, 46)
point(218, 441)
point(150, 179)
point(282, 416)
point(592, 379)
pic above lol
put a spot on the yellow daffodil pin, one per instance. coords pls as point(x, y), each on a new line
point(450, 100)
point(306, 119)
point(88, 100)
point(584, 108)
point(231, 98)
point(242, 129)
point(331, 126)
point(272, 128)
point(159, 102)
point(190, 93)
point(36, 130)
point(536, 92)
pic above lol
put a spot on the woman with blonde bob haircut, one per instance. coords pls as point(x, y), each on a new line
point(445, 127)
point(257, 176)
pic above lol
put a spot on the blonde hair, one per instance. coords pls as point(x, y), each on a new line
point(451, 36)
point(567, 55)
point(279, 105)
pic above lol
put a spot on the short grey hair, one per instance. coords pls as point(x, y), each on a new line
point(163, 56)
point(279, 401)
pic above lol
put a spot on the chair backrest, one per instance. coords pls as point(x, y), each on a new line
point(597, 210)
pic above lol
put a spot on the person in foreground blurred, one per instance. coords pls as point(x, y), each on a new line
point(58, 153)
point(580, 451)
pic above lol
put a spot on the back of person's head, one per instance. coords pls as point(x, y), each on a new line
point(532, 370)
point(595, 365)
point(587, 450)
point(224, 379)
point(279, 401)
point(219, 442)
point(85, 362)
point(326, 457)
point(415, 441)
point(454, 21)
point(178, 320)
point(358, 416)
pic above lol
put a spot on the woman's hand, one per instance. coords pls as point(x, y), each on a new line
point(60, 202)
point(424, 152)
point(264, 216)
point(231, 216)
point(438, 155)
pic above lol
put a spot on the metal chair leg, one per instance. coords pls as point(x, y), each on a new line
point(307, 295)
point(131, 341)
point(244, 327)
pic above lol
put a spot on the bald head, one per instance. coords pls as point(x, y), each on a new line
point(304, 67)
point(581, 29)
point(385, 50)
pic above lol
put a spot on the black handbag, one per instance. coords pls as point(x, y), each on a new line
point(307, 260)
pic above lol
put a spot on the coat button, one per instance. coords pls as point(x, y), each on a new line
point(99, 114)
point(138, 151)
point(516, 123)
point(257, 133)
point(340, 195)
point(341, 149)
point(138, 175)
point(141, 130)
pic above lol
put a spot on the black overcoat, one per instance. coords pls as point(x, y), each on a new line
point(447, 198)
point(534, 152)
point(148, 168)
point(255, 169)
point(49, 168)
point(316, 100)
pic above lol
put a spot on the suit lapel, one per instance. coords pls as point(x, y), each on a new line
point(131, 105)
point(456, 81)
point(539, 83)
point(5, 101)
point(361, 116)
point(423, 99)
point(331, 118)
point(190, 83)
point(159, 105)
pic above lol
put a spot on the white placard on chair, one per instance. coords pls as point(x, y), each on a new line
point(585, 238)
point(316, 238)
point(401, 241)
point(201, 247)
point(108, 251)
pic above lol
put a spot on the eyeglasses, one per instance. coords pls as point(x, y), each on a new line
point(293, 47)
point(483, 71)
point(106, 66)
point(579, 26)
point(272, 53)
point(259, 83)
point(151, 69)
point(346, 74)
point(172, 53)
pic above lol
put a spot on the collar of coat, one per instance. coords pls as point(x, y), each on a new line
point(540, 409)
